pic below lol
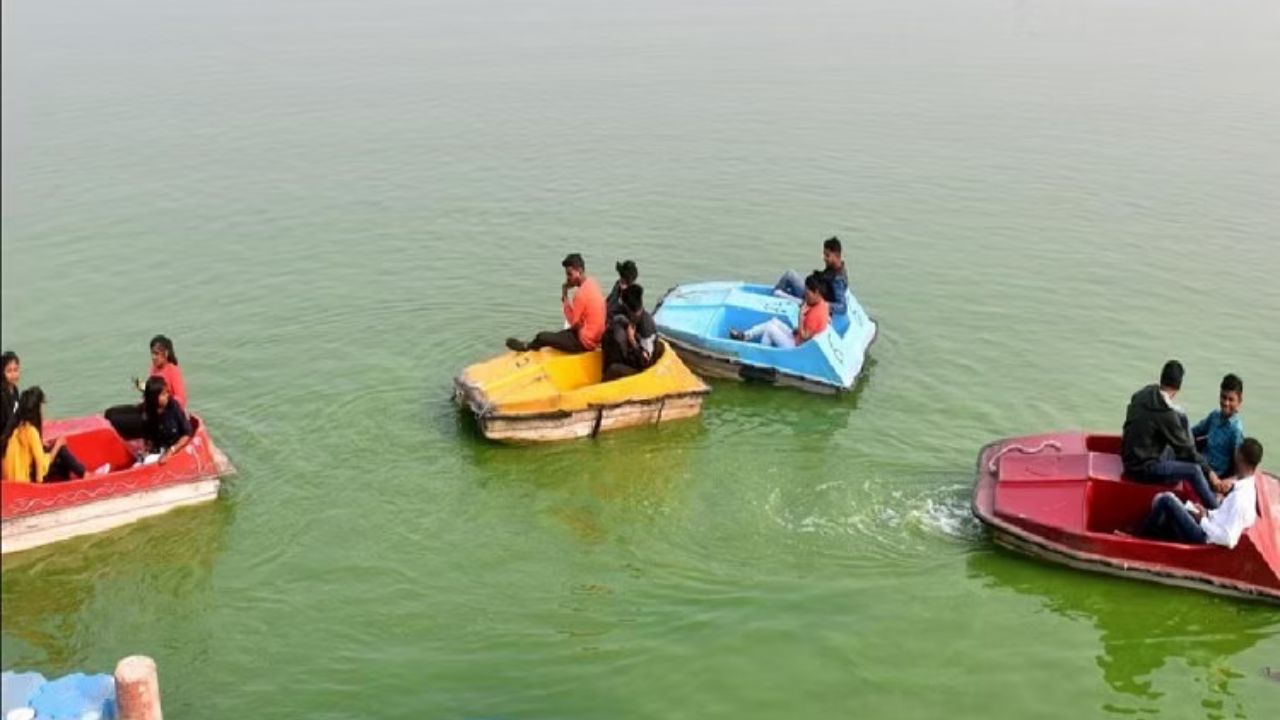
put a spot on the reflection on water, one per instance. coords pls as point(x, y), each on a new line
point(49, 593)
point(1145, 627)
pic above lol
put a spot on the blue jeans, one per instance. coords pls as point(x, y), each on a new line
point(791, 283)
point(1169, 520)
point(1169, 472)
point(772, 333)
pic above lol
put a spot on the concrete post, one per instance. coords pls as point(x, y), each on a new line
point(138, 689)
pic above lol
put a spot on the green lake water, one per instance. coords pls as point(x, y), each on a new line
point(334, 206)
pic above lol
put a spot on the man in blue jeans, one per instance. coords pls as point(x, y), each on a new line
point(1171, 519)
point(1157, 446)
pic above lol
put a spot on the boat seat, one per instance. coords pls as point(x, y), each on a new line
point(1060, 467)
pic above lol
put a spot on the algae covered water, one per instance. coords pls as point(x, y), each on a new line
point(333, 207)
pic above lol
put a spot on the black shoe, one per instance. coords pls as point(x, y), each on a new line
point(517, 345)
point(737, 335)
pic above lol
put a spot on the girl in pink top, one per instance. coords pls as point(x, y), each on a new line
point(164, 363)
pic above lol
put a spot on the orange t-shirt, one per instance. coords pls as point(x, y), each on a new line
point(816, 319)
point(585, 313)
point(172, 375)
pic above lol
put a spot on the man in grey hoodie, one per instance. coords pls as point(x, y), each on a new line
point(1157, 446)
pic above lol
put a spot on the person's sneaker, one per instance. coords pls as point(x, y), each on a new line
point(517, 345)
point(737, 335)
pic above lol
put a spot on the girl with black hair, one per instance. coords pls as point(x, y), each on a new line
point(9, 390)
point(26, 459)
point(165, 425)
point(127, 419)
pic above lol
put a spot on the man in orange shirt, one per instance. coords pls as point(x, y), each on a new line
point(584, 313)
point(814, 318)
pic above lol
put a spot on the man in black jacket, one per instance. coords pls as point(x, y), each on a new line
point(1157, 446)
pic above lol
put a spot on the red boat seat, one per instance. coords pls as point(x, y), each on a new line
point(98, 447)
point(1059, 468)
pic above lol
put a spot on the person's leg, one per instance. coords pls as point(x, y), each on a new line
point(617, 371)
point(64, 466)
point(1156, 525)
point(563, 340)
point(126, 419)
point(614, 343)
point(790, 284)
point(1171, 471)
point(777, 334)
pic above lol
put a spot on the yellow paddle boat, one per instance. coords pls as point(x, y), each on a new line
point(546, 395)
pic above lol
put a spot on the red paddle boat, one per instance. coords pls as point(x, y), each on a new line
point(1062, 497)
point(117, 489)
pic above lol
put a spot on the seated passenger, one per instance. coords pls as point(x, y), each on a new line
point(1171, 519)
point(585, 314)
point(814, 318)
point(9, 390)
point(1156, 445)
point(627, 274)
point(166, 429)
point(629, 345)
point(835, 279)
point(1222, 431)
point(26, 458)
point(127, 419)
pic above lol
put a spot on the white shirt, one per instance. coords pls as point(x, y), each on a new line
point(1237, 513)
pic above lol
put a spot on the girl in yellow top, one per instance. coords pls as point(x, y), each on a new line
point(25, 457)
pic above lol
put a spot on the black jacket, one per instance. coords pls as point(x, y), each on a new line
point(8, 408)
point(1151, 426)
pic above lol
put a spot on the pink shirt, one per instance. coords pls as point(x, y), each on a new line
point(172, 375)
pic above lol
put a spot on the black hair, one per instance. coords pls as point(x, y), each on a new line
point(1233, 383)
point(1171, 375)
point(814, 282)
point(573, 260)
point(167, 345)
point(833, 244)
point(633, 298)
point(9, 356)
point(29, 411)
point(1251, 452)
point(628, 271)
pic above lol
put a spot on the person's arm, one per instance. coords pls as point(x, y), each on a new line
point(184, 424)
point(573, 310)
point(1201, 428)
point(42, 459)
point(1221, 528)
point(839, 286)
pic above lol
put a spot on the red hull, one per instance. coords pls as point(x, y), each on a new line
point(95, 443)
point(1062, 497)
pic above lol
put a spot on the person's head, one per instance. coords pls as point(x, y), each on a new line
point(832, 252)
point(31, 407)
point(162, 352)
point(1171, 377)
point(812, 289)
point(1230, 395)
point(30, 410)
point(627, 273)
point(575, 269)
point(12, 369)
point(155, 395)
point(633, 300)
point(1248, 456)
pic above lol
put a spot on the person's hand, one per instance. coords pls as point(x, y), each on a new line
point(1196, 511)
point(631, 334)
point(164, 458)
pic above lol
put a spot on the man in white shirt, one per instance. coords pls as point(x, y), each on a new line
point(1171, 519)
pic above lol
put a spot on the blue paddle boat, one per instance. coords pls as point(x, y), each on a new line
point(696, 319)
